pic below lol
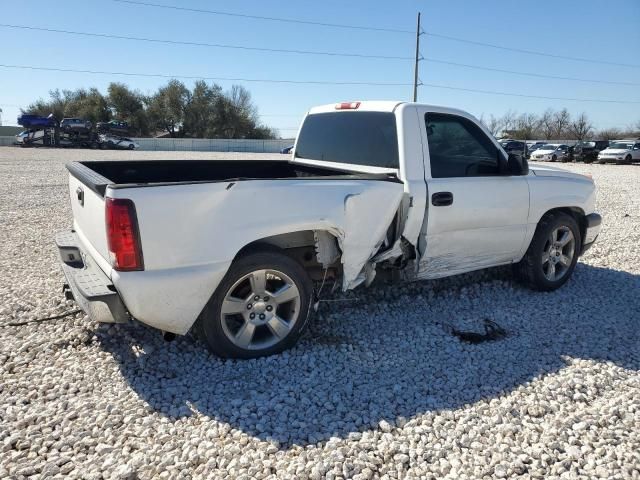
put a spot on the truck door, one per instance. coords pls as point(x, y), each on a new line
point(476, 213)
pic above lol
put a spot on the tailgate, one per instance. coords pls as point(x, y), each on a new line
point(86, 191)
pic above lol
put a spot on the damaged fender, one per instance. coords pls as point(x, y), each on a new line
point(367, 217)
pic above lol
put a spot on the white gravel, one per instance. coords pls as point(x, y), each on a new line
point(378, 389)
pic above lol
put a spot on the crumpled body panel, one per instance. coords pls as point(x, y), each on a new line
point(202, 227)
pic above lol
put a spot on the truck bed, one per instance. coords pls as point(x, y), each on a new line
point(125, 174)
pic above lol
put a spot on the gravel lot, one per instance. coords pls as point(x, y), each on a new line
point(379, 388)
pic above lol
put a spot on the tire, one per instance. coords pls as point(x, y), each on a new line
point(256, 324)
point(538, 274)
point(131, 146)
point(628, 160)
point(554, 158)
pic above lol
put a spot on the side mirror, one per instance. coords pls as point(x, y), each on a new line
point(517, 165)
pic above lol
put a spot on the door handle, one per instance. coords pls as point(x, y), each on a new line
point(80, 196)
point(442, 199)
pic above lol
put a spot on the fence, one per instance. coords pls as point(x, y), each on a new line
point(200, 144)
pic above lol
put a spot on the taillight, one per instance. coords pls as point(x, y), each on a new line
point(123, 238)
point(347, 105)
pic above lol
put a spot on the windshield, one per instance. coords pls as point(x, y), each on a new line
point(360, 138)
point(621, 146)
point(548, 147)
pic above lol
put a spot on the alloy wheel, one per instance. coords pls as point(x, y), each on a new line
point(260, 309)
point(558, 253)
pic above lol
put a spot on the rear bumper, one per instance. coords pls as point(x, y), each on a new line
point(592, 230)
point(91, 289)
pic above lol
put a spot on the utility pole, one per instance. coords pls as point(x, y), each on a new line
point(415, 68)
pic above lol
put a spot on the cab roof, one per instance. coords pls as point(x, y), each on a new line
point(377, 106)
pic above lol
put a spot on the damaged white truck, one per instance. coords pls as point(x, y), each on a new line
point(232, 248)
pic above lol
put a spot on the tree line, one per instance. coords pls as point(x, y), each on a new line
point(553, 125)
point(206, 111)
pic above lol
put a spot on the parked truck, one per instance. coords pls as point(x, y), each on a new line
point(232, 248)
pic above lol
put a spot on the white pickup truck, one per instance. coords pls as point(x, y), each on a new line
point(232, 248)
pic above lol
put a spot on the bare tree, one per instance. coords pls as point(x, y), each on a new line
point(527, 125)
point(547, 126)
point(561, 122)
point(609, 134)
point(509, 120)
point(493, 124)
point(581, 127)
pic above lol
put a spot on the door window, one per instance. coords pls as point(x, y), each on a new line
point(459, 148)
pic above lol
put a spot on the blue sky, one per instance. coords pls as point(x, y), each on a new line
point(593, 29)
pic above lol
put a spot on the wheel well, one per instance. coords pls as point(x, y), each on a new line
point(303, 247)
point(576, 212)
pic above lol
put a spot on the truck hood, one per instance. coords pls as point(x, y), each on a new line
point(545, 171)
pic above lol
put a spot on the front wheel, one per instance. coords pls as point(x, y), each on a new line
point(260, 308)
point(553, 253)
point(628, 159)
point(554, 158)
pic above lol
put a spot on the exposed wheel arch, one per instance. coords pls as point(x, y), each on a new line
point(304, 246)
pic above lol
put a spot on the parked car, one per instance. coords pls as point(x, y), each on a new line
point(620, 151)
point(36, 121)
point(20, 137)
point(514, 146)
point(114, 127)
point(114, 142)
point(287, 150)
point(533, 147)
point(587, 151)
point(31, 137)
point(231, 248)
point(551, 152)
point(75, 125)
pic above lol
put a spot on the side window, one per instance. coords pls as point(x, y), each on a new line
point(459, 148)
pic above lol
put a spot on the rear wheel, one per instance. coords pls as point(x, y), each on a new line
point(260, 308)
point(552, 254)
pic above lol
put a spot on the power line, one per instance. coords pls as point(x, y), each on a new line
point(530, 74)
point(188, 77)
point(493, 92)
point(529, 52)
point(259, 17)
point(202, 44)
point(307, 52)
point(311, 52)
point(379, 29)
point(309, 82)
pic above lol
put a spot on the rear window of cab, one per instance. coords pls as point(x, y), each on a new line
point(359, 138)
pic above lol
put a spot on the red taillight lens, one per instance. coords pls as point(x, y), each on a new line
point(123, 237)
point(347, 105)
